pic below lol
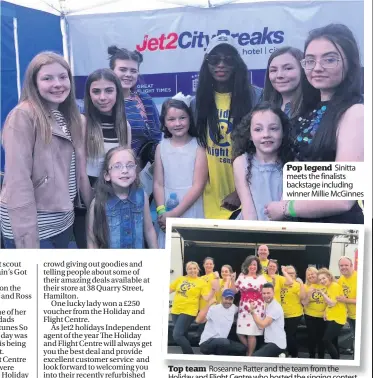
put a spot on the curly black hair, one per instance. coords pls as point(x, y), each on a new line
point(243, 144)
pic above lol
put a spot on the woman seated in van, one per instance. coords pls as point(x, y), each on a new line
point(285, 84)
point(334, 130)
point(335, 313)
point(188, 291)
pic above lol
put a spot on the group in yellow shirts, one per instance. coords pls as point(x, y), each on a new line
point(325, 303)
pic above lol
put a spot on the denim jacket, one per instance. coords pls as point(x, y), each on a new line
point(125, 220)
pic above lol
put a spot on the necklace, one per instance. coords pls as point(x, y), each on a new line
point(307, 134)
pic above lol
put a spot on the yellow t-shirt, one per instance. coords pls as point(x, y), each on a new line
point(317, 304)
point(219, 158)
point(187, 294)
point(290, 301)
point(349, 287)
point(264, 264)
point(278, 282)
point(208, 280)
point(336, 313)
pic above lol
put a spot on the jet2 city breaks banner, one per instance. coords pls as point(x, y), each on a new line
point(173, 42)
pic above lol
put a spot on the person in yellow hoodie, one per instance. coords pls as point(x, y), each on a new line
point(210, 277)
point(291, 296)
point(314, 307)
point(188, 291)
point(277, 281)
point(348, 282)
point(335, 313)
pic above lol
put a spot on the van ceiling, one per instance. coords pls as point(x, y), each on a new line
point(191, 234)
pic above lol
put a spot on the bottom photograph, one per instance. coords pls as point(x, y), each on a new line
point(255, 289)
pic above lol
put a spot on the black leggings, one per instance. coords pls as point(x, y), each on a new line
point(291, 325)
point(331, 339)
point(315, 331)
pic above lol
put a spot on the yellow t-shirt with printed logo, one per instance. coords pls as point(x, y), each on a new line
point(317, 304)
point(219, 158)
point(349, 287)
point(277, 282)
point(188, 291)
point(290, 301)
point(336, 313)
point(264, 264)
point(208, 278)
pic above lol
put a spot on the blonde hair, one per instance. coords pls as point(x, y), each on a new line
point(310, 269)
point(192, 263)
point(31, 96)
point(228, 267)
point(327, 273)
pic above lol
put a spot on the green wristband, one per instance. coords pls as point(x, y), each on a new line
point(291, 210)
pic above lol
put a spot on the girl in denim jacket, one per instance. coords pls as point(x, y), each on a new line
point(119, 216)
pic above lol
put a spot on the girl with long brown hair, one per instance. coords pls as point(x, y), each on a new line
point(45, 165)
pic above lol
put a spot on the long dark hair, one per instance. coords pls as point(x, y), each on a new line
point(347, 93)
point(245, 265)
point(115, 53)
point(306, 95)
point(103, 191)
point(178, 104)
point(243, 144)
point(241, 100)
point(95, 141)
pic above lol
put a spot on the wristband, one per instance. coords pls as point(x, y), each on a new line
point(161, 210)
point(291, 210)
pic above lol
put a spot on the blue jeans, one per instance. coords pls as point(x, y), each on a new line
point(182, 323)
point(60, 241)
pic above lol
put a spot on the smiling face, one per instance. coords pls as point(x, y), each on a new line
point(227, 302)
point(225, 272)
point(311, 276)
point(192, 270)
point(121, 171)
point(208, 266)
point(127, 71)
point(324, 279)
point(266, 132)
point(324, 51)
point(346, 267)
point(52, 81)
point(103, 95)
point(272, 268)
point(263, 252)
point(177, 122)
point(285, 73)
point(253, 267)
point(292, 273)
point(267, 294)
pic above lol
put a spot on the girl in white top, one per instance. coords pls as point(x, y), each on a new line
point(180, 166)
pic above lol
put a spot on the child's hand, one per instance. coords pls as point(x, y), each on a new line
point(274, 210)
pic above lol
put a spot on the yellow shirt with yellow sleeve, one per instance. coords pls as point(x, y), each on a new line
point(349, 287)
point(317, 304)
point(188, 292)
point(277, 281)
point(337, 312)
point(207, 278)
point(264, 264)
point(290, 300)
point(219, 157)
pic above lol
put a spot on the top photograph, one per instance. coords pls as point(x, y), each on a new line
point(116, 117)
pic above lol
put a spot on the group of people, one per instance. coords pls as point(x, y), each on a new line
point(271, 304)
point(221, 156)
